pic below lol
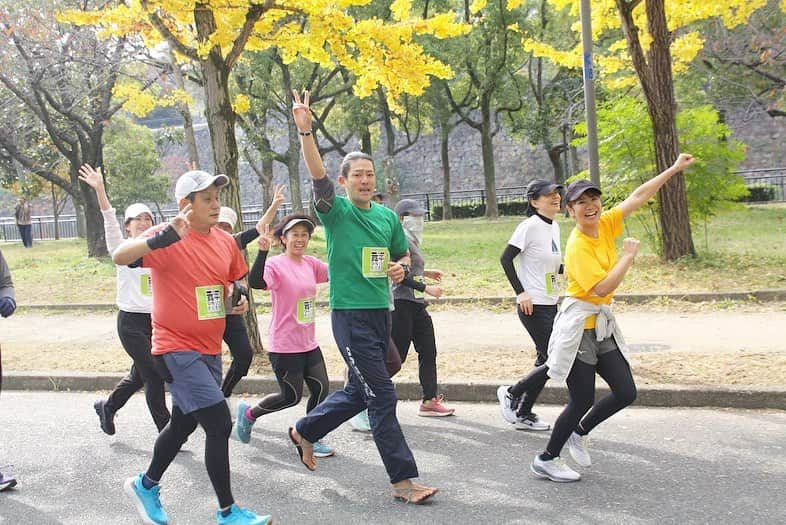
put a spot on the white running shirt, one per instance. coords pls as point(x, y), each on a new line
point(538, 263)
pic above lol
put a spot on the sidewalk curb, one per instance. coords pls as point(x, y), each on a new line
point(482, 391)
point(692, 297)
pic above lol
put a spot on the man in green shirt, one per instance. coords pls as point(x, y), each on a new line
point(366, 247)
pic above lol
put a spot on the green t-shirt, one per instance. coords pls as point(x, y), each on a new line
point(360, 243)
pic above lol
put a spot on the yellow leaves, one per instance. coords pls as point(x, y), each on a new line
point(241, 104)
point(400, 9)
point(477, 5)
point(571, 58)
point(140, 102)
point(615, 69)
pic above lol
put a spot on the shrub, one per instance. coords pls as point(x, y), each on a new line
point(761, 192)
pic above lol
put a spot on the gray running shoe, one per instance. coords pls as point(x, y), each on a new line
point(554, 469)
point(507, 404)
point(6, 482)
point(579, 449)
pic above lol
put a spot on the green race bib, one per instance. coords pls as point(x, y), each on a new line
point(146, 284)
point(552, 284)
point(210, 302)
point(375, 262)
point(306, 312)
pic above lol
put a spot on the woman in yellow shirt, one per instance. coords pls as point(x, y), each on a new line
point(594, 271)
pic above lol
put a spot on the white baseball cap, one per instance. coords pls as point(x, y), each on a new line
point(228, 216)
point(135, 210)
point(197, 180)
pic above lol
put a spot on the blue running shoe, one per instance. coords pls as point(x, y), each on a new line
point(360, 421)
point(323, 451)
point(146, 501)
point(238, 516)
point(242, 428)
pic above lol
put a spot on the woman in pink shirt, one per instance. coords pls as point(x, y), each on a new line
point(294, 353)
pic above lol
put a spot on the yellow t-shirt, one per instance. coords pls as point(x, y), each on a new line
point(588, 260)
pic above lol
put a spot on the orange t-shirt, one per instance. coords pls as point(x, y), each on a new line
point(191, 278)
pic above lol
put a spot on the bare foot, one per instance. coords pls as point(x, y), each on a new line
point(304, 449)
point(411, 492)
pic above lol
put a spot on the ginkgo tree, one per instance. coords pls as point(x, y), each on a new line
point(660, 39)
point(215, 35)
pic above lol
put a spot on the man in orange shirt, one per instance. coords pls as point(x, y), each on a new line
point(192, 264)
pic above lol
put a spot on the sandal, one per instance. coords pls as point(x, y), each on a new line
point(416, 494)
point(299, 448)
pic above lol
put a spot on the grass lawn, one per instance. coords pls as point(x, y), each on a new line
point(746, 250)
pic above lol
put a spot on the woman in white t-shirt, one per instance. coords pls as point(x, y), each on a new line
point(532, 261)
point(291, 278)
point(134, 303)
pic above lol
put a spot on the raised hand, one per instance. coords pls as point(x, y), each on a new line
point(630, 246)
point(683, 161)
point(301, 111)
point(181, 223)
point(270, 214)
point(264, 240)
point(91, 177)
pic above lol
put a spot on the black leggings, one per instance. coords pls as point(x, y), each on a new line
point(236, 338)
point(135, 331)
point(614, 369)
point(291, 371)
point(412, 325)
point(217, 424)
point(538, 325)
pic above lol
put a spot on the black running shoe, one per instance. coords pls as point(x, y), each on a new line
point(106, 416)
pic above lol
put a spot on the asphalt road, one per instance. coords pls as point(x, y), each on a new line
point(650, 466)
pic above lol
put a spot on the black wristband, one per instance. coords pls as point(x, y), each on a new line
point(164, 238)
point(304, 133)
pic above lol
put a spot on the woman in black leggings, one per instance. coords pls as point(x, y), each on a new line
point(585, 338)
point(291, 278)
point(535, 248)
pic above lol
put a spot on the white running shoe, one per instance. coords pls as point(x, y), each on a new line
point(530, 422)
point(554, 469)
point(507, 404)
point(578, 446)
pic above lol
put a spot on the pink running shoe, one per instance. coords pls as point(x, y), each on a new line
point(434, 408)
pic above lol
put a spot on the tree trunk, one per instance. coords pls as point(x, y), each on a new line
point(447, 210)
point(55, 212)
point(390, 174)
point(221, 123)
point(185, 112)
point(655, 75)
point(555, 157)
point(293, 149)
point(487, 149)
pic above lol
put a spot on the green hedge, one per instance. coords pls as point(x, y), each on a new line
point(762, 192)
point(466, 211)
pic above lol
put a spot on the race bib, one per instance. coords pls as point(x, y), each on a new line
point(210, 302)
point(418, 294)
point(375, 262)
point(553, 285)
point(146, 284)
point(306, 310)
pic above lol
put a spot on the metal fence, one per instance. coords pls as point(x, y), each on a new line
point(770, 183)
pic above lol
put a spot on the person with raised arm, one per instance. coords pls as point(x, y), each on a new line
point(586, 338)
point(366, 248)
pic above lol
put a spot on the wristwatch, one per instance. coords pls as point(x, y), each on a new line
point(406, 268)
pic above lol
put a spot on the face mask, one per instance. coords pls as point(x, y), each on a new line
point(414, 225)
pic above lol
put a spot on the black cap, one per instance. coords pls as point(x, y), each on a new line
point(539, 187)
point(578, 187)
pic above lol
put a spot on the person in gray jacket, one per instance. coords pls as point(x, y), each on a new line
point(7, 307)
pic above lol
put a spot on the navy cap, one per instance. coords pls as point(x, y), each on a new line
point(578, 187)
point(409, 207)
